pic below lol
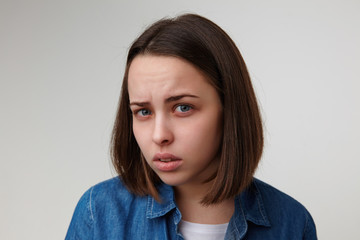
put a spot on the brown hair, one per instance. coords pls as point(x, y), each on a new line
point(206, 46)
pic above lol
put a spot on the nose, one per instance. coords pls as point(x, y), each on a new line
point(162, 133)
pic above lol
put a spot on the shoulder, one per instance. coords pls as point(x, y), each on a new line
point(276, 198)
point(109, 190)
point(284, 211)
point(110, 196)
point(103, 206)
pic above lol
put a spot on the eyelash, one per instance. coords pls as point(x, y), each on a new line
point(184, 105)
point(136, 112)
point(142, 109)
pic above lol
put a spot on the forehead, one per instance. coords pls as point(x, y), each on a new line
point(164, 75)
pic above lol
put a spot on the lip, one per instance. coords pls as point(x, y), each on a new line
point(165, 156)
point(169, 166)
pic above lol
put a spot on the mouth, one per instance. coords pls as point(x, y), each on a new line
point(166, 162)
point(165, 157)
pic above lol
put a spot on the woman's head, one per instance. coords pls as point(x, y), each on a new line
point(177, 119)
point(194, 43)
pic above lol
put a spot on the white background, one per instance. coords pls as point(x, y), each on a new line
point(61, 66)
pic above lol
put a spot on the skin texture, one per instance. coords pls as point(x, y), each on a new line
point(175, 111)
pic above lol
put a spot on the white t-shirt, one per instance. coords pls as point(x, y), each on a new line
point(197, 231)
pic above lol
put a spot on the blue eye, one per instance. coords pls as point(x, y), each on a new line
point(144, 112)
point(183, 108)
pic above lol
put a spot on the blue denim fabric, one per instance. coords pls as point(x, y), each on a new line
point(109, 211)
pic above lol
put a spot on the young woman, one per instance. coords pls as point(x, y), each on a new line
point(186, 142)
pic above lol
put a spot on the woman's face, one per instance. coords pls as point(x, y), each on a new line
point(177, 118)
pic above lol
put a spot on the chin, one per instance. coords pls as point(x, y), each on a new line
point(172, 180)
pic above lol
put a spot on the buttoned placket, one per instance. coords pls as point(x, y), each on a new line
point(248, 207)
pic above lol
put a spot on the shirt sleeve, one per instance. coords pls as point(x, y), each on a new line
point(82, 222)
point(310, 229)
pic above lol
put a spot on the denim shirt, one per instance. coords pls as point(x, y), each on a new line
point(109, 211)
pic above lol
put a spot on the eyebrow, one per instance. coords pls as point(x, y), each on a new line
point(169, 99)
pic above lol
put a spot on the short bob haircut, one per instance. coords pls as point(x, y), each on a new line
point(207, 47)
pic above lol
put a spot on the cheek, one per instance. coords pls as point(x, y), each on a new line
point(141, 134)
point(203, 135)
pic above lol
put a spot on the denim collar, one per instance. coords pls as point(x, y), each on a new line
point(155, 209)
point(249, 206)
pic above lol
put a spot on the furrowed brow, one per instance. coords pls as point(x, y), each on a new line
point(140, 104)
point(178, 97)
point(169, 99)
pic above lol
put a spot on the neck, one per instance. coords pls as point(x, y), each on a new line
point(191, 192)
point(188, 199)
